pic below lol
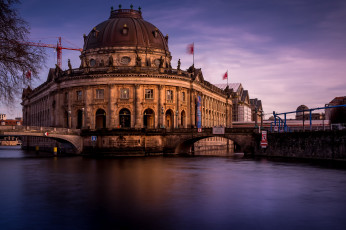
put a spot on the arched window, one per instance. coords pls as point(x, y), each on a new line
point(100, 119)
point(79, 119)
point(183, 119)
point(125, 118)
point(169, 119)
point(148, 118)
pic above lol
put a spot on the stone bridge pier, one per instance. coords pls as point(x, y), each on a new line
point(245, 140)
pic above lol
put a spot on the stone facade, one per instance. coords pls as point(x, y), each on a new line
point(244, 109)
point(256, 110)
point(118, 100)
point(125, 80)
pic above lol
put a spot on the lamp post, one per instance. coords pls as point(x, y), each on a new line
point(83, 118)
point(176, 113)
point(69, 119)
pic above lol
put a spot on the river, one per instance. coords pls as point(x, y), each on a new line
point(44, 192)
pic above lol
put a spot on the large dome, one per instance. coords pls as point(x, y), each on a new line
point(126, 28)
point(300, 109)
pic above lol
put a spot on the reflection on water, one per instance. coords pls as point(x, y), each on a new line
point(168, 193)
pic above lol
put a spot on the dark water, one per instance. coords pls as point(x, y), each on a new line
point(167, 193)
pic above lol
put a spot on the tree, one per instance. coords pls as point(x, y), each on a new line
point(19, 63)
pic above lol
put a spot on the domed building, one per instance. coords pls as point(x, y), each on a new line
point(300, 113)
point(125, 81)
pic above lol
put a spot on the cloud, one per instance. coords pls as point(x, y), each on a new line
point(286, 53)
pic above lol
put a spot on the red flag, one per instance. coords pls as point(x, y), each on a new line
point(28, 74)
point(190, 48)
point(225, 76)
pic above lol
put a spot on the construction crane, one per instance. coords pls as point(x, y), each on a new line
point(58, 47)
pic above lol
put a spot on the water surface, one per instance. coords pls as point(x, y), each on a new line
point(40, 192)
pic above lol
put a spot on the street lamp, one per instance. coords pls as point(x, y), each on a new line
point(176, 113)
point(69, 118)
point(83, 125)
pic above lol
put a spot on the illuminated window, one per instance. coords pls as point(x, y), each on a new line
point(79, 95)
point(149, 94)
point(100, 93)
point(169, 95)
point(124, 93)
point(183, 96)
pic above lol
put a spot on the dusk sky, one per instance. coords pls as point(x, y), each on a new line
point(284, 52)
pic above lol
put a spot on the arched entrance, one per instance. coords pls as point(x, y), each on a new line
point(125, 118)
point(148, 118)
point(100, 119)
point(79, 119)
point(169, 119)
point(183, 119)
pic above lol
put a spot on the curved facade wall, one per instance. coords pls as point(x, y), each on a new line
point(125, 86)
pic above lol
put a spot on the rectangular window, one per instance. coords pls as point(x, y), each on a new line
point(66, 97)
point(149, 94)
point(183, 96)
point(100, 93)
point(169, 95)
point(124, 93)
point(79, 95)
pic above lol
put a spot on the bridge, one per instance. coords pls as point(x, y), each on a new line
point(60, 134)
point(178, 141)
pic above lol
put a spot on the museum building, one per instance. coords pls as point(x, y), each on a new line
point(126, 80)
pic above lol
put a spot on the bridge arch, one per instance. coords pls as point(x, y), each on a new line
point(185, 146)
point(76, 141)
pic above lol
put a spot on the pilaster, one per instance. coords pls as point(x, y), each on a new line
point(161, 108)
point(178, 115)
point(138, 123)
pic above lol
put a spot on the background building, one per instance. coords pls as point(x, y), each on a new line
point(243, 108)
point(337, 115)
point(2, 116)
point(256, 110)
point(303, 112)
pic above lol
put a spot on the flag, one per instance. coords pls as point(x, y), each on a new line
point(225, 76)
point(190, 48)
point(28, 74)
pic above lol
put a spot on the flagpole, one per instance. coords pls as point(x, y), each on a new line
point(193, 54)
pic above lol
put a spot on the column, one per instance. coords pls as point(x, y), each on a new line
point(138, 123)
point(160, 109)
point(87, 110)
point(111, 113)
point(192, 108)
point(177, 112)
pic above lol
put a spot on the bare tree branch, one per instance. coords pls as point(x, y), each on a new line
point(16, 58)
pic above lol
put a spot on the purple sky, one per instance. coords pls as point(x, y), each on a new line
point(286, 53)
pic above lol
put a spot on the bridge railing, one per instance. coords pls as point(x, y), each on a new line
point(161, 131)
point(40, 129)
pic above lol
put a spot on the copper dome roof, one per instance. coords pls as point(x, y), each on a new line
point(125, 28)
